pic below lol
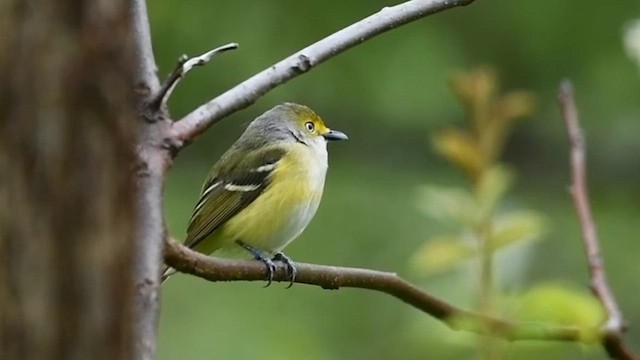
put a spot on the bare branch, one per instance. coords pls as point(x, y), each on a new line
point(185, 260)
point(185, 65)
point(146, 78)
point(245, 93)
point(615, 326)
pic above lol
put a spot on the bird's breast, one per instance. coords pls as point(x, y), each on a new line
point(286, 207)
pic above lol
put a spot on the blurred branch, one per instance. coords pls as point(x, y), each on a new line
point(183, 66)
point(146, 79)
point(614, 328)
point(210, 268)
point(245, 93)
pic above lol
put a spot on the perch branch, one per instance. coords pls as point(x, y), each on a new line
point(245, 93)
point(185, 260)
point(183, 66)
point(615, 325)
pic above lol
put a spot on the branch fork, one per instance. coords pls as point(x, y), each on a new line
point(184, 65)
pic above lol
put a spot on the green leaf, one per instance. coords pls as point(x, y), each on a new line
point(490, 189)
point(439, 254)
point(517, 226)
point(461, 149)
point(475, 89)
point(513, 105)
point(448, 204)
point(562, 304)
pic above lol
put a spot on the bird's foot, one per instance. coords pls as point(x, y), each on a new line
point(291, 267)
point(259, 255)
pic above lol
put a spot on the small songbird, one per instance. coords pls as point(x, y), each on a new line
point(265, 189)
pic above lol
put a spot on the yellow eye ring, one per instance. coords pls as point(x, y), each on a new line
point(311, 127)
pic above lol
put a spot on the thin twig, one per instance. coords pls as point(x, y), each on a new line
point(186, 260)
point(615, 325)
point(146, 79)
point(245, 93)
point(183, 66)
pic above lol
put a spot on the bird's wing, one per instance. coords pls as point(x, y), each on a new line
point(228, 191)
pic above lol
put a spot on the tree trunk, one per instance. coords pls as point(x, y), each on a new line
point(67, 212)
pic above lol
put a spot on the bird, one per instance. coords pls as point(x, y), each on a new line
point(265, 189)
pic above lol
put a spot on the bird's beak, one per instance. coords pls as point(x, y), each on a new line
point(335, 135)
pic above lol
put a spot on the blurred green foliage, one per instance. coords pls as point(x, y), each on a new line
point(561, 303)
point(391, 95)
point(482, 228)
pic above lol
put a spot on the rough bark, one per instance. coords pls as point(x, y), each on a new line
point(67, 130)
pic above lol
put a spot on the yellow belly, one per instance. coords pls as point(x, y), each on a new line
point(278, 215)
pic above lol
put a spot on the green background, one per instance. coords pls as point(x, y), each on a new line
point(390, 95)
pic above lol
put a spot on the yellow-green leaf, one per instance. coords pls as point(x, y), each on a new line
point(439, 254)
point(449, 204)
point(514, 104)
point(491, 187)
point(459, 148)
point(562, 304)
point(518, 226)
point(475, 89)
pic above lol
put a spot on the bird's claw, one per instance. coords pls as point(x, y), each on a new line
point(269, 263)
point(291, 267)
point(271, 269)
point(259, 255)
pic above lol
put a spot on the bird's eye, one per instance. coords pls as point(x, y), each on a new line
point(310, 126)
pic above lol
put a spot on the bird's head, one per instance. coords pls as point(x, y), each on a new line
point(291, 121)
